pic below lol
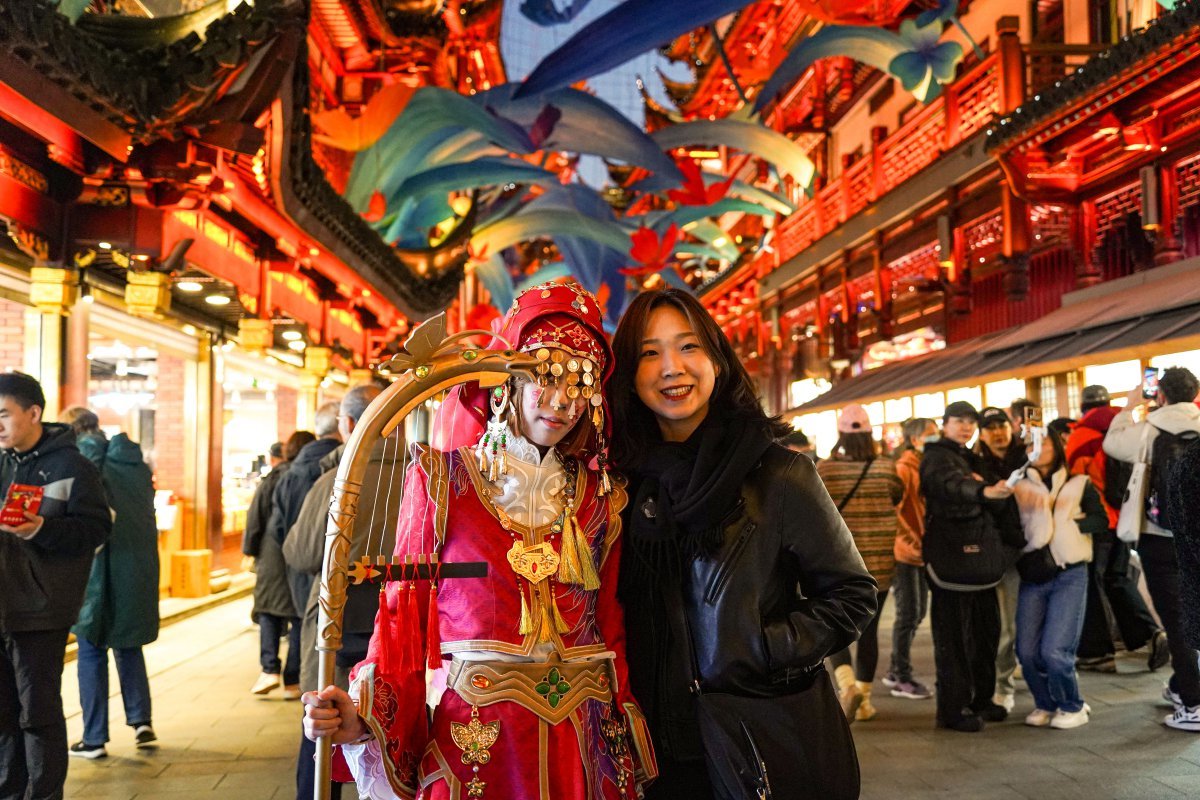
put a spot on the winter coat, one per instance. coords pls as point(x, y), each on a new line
point(304, 549)
point(871, 512)
point(120, 608)
point(911, 510)
point(1064, 513)
point(1085, 452)
point(42, 579)
point(288, 498)
point(1124, 438)
point(1184, 489)
point(271, 593)
point(963, 547)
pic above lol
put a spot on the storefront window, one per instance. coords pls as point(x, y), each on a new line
point(821, 430)
point(1002, 393)
point(898, 410)
point(970, 394)
point(1118, 378)
point(932, 405)
point(1189, 360)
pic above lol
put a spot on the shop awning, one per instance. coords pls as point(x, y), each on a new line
point(1157, 306)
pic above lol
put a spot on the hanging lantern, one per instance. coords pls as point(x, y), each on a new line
point(256, 335)
point(317, 361)
point(147, 294)
point(53, 290)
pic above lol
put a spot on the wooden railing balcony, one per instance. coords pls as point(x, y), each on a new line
point(965, 107)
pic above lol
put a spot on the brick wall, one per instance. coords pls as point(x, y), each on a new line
point(12, 335)
point(285, 403)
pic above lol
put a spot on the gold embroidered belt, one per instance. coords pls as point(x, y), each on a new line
point(552, 690)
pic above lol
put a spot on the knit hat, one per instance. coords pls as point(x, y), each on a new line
point(1095, 395)
point(961, 409)
point(854, 419)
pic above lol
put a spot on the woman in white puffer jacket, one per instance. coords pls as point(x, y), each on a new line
point(1059, 514)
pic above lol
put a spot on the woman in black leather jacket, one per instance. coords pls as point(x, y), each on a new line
point(730, 535)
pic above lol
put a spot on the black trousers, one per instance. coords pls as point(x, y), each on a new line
point(354, 650)
point(966, 634)
point(1108, 579)
point(1162, 579)
point(33, 733)
point(868, 648)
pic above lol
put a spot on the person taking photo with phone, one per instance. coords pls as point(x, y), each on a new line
point(1159, 442)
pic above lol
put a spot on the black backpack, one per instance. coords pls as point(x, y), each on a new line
point(1165, 452)
point(1116, 480)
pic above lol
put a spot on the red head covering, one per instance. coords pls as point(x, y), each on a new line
point(562, 316)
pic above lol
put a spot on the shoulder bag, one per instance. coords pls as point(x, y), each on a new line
point(1133, 507)
point(854, 488)
point(791, 747)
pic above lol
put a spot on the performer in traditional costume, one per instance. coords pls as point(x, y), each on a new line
point(528, 679)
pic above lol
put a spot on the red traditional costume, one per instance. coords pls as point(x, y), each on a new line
point(528, 683)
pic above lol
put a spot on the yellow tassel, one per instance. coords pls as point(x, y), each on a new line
point(588, 577)
point(546, 633)
point(560, 624)
point(568, 557)
point(526, 625)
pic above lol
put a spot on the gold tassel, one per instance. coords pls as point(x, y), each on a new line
point(588, 576)
point(569, 570)
point(560, 624)
point(526, 625)
point(546, 633)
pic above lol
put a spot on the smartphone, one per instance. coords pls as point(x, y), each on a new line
point(1150, 383)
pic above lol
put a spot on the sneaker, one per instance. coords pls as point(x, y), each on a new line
point(1005, 701)
point(965, 724)
point(1106, 664)
point(1170, 697)
point(265, 683)
point(891, 681)
point(1039, 718)
point(1066, 720)
point(144, 737)
point(992, 712)
point(912, 690)
point(89, 751)
point(1160, 654)
point(1184, 718)
point(291, 691)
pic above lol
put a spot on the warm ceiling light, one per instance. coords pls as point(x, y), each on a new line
point(104, 246)
point(217, 300)
point(703, 154)
point(1108, 124)
point(296, 345)
point(189, 286)
point(292, 336)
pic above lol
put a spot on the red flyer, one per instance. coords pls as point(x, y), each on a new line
point(21, 498)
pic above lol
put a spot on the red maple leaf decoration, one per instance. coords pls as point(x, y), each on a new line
point(694, 192)
point(650, 251)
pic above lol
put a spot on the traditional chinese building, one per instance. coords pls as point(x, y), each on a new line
point(1049, 186)
point(179, 256)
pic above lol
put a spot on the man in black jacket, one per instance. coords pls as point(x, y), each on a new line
point(44, 566)
point(1000, 454)
point(965, 558)
point(289, 497)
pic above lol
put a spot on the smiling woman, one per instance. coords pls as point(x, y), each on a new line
point(724, 527)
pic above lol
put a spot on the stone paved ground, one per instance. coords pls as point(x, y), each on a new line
point(218, 741)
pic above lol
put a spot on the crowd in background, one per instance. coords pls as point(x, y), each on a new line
point(1027, 542)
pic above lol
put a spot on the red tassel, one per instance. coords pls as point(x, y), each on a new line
point(411, 632)
point(433, 637)
point(383, 660)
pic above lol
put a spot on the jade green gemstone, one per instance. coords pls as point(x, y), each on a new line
point(553, 699)
point(470, 355)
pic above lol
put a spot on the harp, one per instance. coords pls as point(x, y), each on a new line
point(430, 365)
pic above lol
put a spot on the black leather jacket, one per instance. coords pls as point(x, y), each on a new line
point(786, 588)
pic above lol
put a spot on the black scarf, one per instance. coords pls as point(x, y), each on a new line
point(685, 489)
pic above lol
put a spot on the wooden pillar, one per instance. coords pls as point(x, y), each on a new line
point(1088, 269)
point(213, 513)
point(76, 367)
point(1011, 64)
point(883, 291)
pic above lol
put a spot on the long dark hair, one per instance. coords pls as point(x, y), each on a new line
point(1060, 454)
point(734, 393)
point(858, 446)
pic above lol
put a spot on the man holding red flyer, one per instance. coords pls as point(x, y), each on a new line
point(45, 558)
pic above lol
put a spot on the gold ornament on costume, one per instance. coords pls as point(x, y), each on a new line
point(475, 738)
point(534, 563)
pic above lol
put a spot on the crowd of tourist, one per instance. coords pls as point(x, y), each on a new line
point(1029, 537)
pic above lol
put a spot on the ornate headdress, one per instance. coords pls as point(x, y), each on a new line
point(561, 324)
